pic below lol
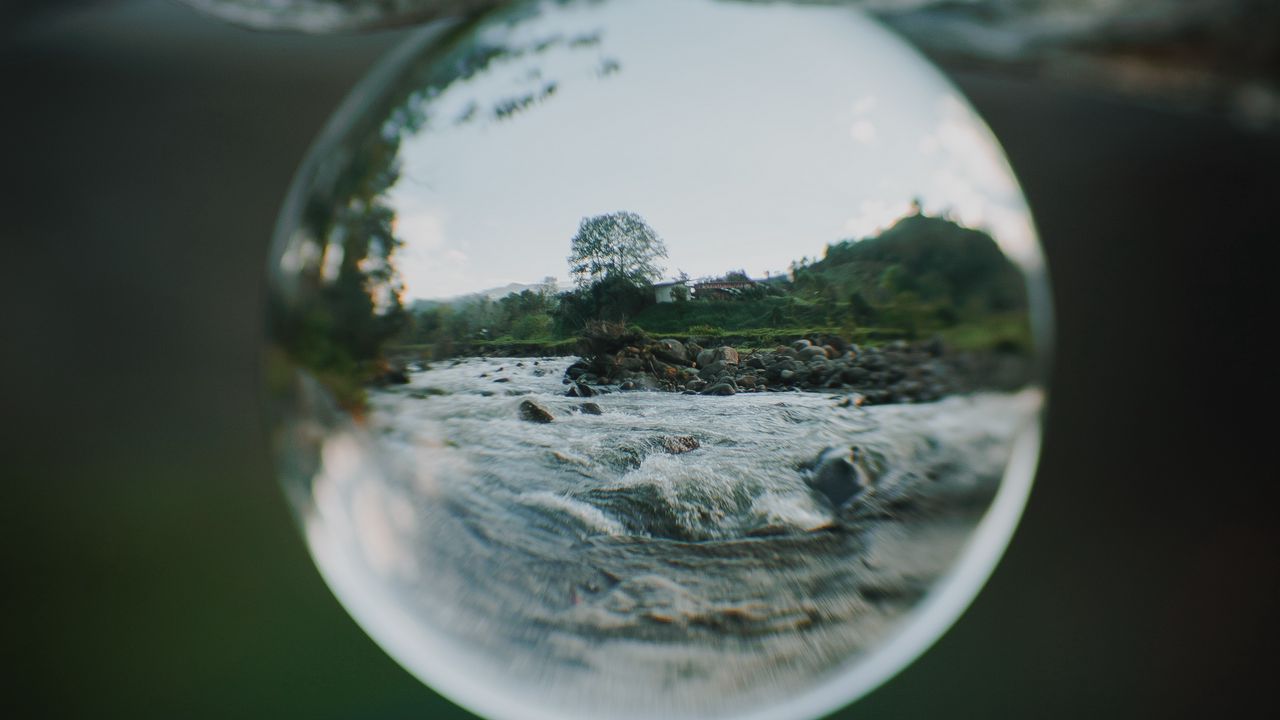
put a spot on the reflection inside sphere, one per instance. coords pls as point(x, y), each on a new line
point(670, 359)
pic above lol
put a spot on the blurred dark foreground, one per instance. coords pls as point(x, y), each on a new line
point(153, 567)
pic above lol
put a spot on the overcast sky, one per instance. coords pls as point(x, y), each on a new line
point(747, 136)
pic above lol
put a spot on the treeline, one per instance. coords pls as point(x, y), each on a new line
point(923, 276)
point(541, 315)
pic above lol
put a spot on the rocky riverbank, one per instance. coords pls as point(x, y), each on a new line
point(898, 372)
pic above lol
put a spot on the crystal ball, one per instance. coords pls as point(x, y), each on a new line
point(677, 358)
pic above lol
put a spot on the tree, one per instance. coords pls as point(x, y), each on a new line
point(618, 245)
point(681, 290)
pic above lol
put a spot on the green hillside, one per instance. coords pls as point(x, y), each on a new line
point(920, 260)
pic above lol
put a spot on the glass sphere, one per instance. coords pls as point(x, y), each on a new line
point(330, 16)
point(676, 358)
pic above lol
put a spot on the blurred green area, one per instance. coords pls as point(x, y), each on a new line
point(152, 568)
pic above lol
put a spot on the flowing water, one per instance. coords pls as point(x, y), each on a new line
point(580, 557)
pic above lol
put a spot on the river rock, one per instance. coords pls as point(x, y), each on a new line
point(854, 375)
point(533, 412)
point(934, 347)
point(677, 444)
point(835, 476)
point(722, 388)
point(393, 376)
point(780, 366)
point(581, 390)
point(756, 362)
point(810, 352)
point(713, 371)
point(590, 409)
point(672, 351)
point(800, 344)
point(706, 357)
point(727, 355)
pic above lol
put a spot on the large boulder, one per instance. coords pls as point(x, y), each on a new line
point(531, 411)
point(727, 355)
point(722, 388)
point(671, 350)
point(706, 357)
point(835, 476)
point(811, 352)
point(713, 370)
point(606, 338)
point(677, 444)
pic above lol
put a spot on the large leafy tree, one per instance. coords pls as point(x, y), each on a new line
point(616, 246)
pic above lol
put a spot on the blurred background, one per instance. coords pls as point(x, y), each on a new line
point(152, 568)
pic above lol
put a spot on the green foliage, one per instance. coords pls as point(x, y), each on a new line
point(337, 316)
point(731, 315)
point(531, 326)
point(1009, 332)
point(451, 327)
point(935, 258)
point(614, 298)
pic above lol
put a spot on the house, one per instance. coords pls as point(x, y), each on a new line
point(721, 288)
point(665, 292)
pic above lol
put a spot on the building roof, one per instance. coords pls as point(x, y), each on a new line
point(724, 284)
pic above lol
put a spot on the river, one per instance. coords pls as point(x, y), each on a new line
point(579, 559)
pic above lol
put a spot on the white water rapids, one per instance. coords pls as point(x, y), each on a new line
point(580, 559)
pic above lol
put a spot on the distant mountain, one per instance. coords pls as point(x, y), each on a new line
point(492, 293)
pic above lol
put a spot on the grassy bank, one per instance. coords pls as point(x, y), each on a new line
point(1009, 333)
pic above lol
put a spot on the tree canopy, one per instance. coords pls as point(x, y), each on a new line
point(618, 245)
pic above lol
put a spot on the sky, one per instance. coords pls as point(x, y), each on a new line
point(747, 135)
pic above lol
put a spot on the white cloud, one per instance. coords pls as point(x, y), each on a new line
point(972, 181)
point(864, 131)
point(431, 264)
point(420, 228)
point(873, 216)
